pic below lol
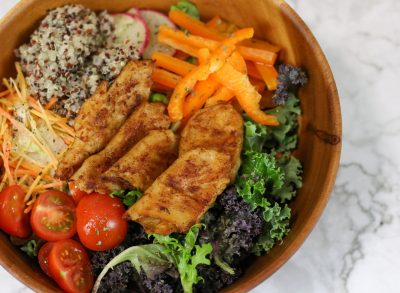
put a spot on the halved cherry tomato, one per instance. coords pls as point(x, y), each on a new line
point(13, 220)
point(69, 266)
point(76, 193)
point(100, 222)
point(53, 216)
point(43, 257)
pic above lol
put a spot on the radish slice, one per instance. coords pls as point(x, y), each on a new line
point(133, 11)
point(131, 30)
point(154, 20)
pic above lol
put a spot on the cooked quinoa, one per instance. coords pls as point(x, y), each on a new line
point(69, 54)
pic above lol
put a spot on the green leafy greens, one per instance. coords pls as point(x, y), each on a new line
point(165, 253)
point(267, 178)
point(128, 197)
point(187, 255)
point(187, 7)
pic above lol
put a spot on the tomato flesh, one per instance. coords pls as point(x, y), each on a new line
point(100, 222)
point(53, 216)
point(43, 257)
point(13, 220)
point(76, 193)
point(69, 266)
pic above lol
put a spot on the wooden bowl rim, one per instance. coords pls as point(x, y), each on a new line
point(322, 199)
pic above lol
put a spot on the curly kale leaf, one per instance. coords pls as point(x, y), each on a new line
point(258, 174)
point(280, 138)
point(290, 79)
point(276, 226)
point(293, 181)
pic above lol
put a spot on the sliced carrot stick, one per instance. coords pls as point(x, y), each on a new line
point(269, 75)
point(214, 22)
point(204, 55)
point(193, 25)
point(165, 78)
point(199, 28)
point(252, 70)
point(196, 100)
point(156, 87)
point(188, 49)
point(202, 72)
point(51, 103)
point(245, 93)
point(237, 61)
point(179, 39)
point(172, 64)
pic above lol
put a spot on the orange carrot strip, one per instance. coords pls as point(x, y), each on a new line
point(177, 39)
point(202, 90)
point(193, 25)
point(188, 49)
point(51, 103)
point(156, 87)
point(165, 78)
point(214, 22)
point(221, 95)
point(269, 75)
point(66, 128)
point(50, 185)
point(172, 64)
point(245, 93)
point(202, 72)
point(252, 70)
point(5, 93)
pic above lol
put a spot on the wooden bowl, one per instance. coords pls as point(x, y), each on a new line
point(320, 130)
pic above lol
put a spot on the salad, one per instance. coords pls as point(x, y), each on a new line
point(147, 152)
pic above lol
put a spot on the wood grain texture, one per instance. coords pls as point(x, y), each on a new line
point(320, 127)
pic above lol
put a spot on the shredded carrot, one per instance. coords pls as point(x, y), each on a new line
point(172, 64)
point(269, 75)
point(6, 158)
point(245, 93)
point(165, 78)
point(50, 185)
point(51, 103)
point(4, 93)
point(202, 72)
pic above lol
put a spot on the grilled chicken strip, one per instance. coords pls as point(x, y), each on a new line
point(218, 127)
point(180, 196)
point(102, 114)
point(143, 163)
point(147, 117)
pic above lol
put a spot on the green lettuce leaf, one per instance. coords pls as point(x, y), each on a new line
point(128, 197)
point(187, 7)
point(186, 255)
point(149, 258)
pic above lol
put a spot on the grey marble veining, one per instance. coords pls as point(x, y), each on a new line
point(355, 247)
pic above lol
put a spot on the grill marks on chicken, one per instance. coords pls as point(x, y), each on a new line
point(102, 114)
point(147, 117)
point(219, 127)
point(183, 193)
point(143, 163)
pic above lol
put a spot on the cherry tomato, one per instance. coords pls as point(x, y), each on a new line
point(100, 222)
point(53, 216)
point(43, 257)
point(69, 266)
point(76, 193)
point(13, 220)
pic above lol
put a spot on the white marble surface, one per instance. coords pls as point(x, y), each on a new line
point(356, 245)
